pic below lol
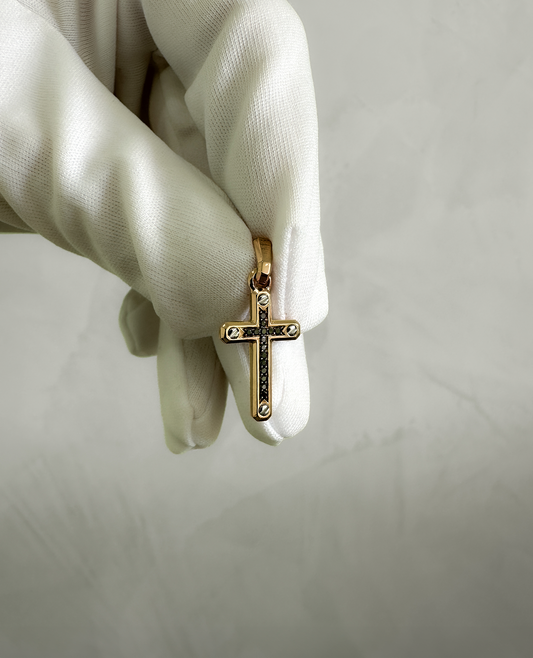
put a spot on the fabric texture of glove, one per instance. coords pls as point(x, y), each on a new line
point(229, 153)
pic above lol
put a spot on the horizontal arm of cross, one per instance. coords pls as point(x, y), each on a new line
point(246, 332)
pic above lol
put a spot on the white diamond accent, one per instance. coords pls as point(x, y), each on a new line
point(263, 410)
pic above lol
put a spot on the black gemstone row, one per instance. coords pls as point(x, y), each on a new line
point(264, 331)
point(263, 355)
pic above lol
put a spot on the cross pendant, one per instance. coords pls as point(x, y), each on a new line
point(260, 332)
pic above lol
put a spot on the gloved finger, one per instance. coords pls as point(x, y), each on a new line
point(170, 118)
point(290, 388)
point(79, 168)
point(139, 324)
point(242, 72)
point(193, 390)
point(192, 383)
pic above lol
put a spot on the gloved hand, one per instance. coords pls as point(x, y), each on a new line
point(229, 153)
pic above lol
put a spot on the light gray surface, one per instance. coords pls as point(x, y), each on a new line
point(398, 525)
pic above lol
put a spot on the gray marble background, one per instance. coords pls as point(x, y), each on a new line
point(399, 523)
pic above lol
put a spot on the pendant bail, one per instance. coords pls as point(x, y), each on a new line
point(263, 255)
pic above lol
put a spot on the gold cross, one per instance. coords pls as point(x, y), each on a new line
point(260, 331)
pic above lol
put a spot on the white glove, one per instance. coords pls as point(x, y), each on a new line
point(232, 97)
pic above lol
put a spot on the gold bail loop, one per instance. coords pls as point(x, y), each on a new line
point(263, 255)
